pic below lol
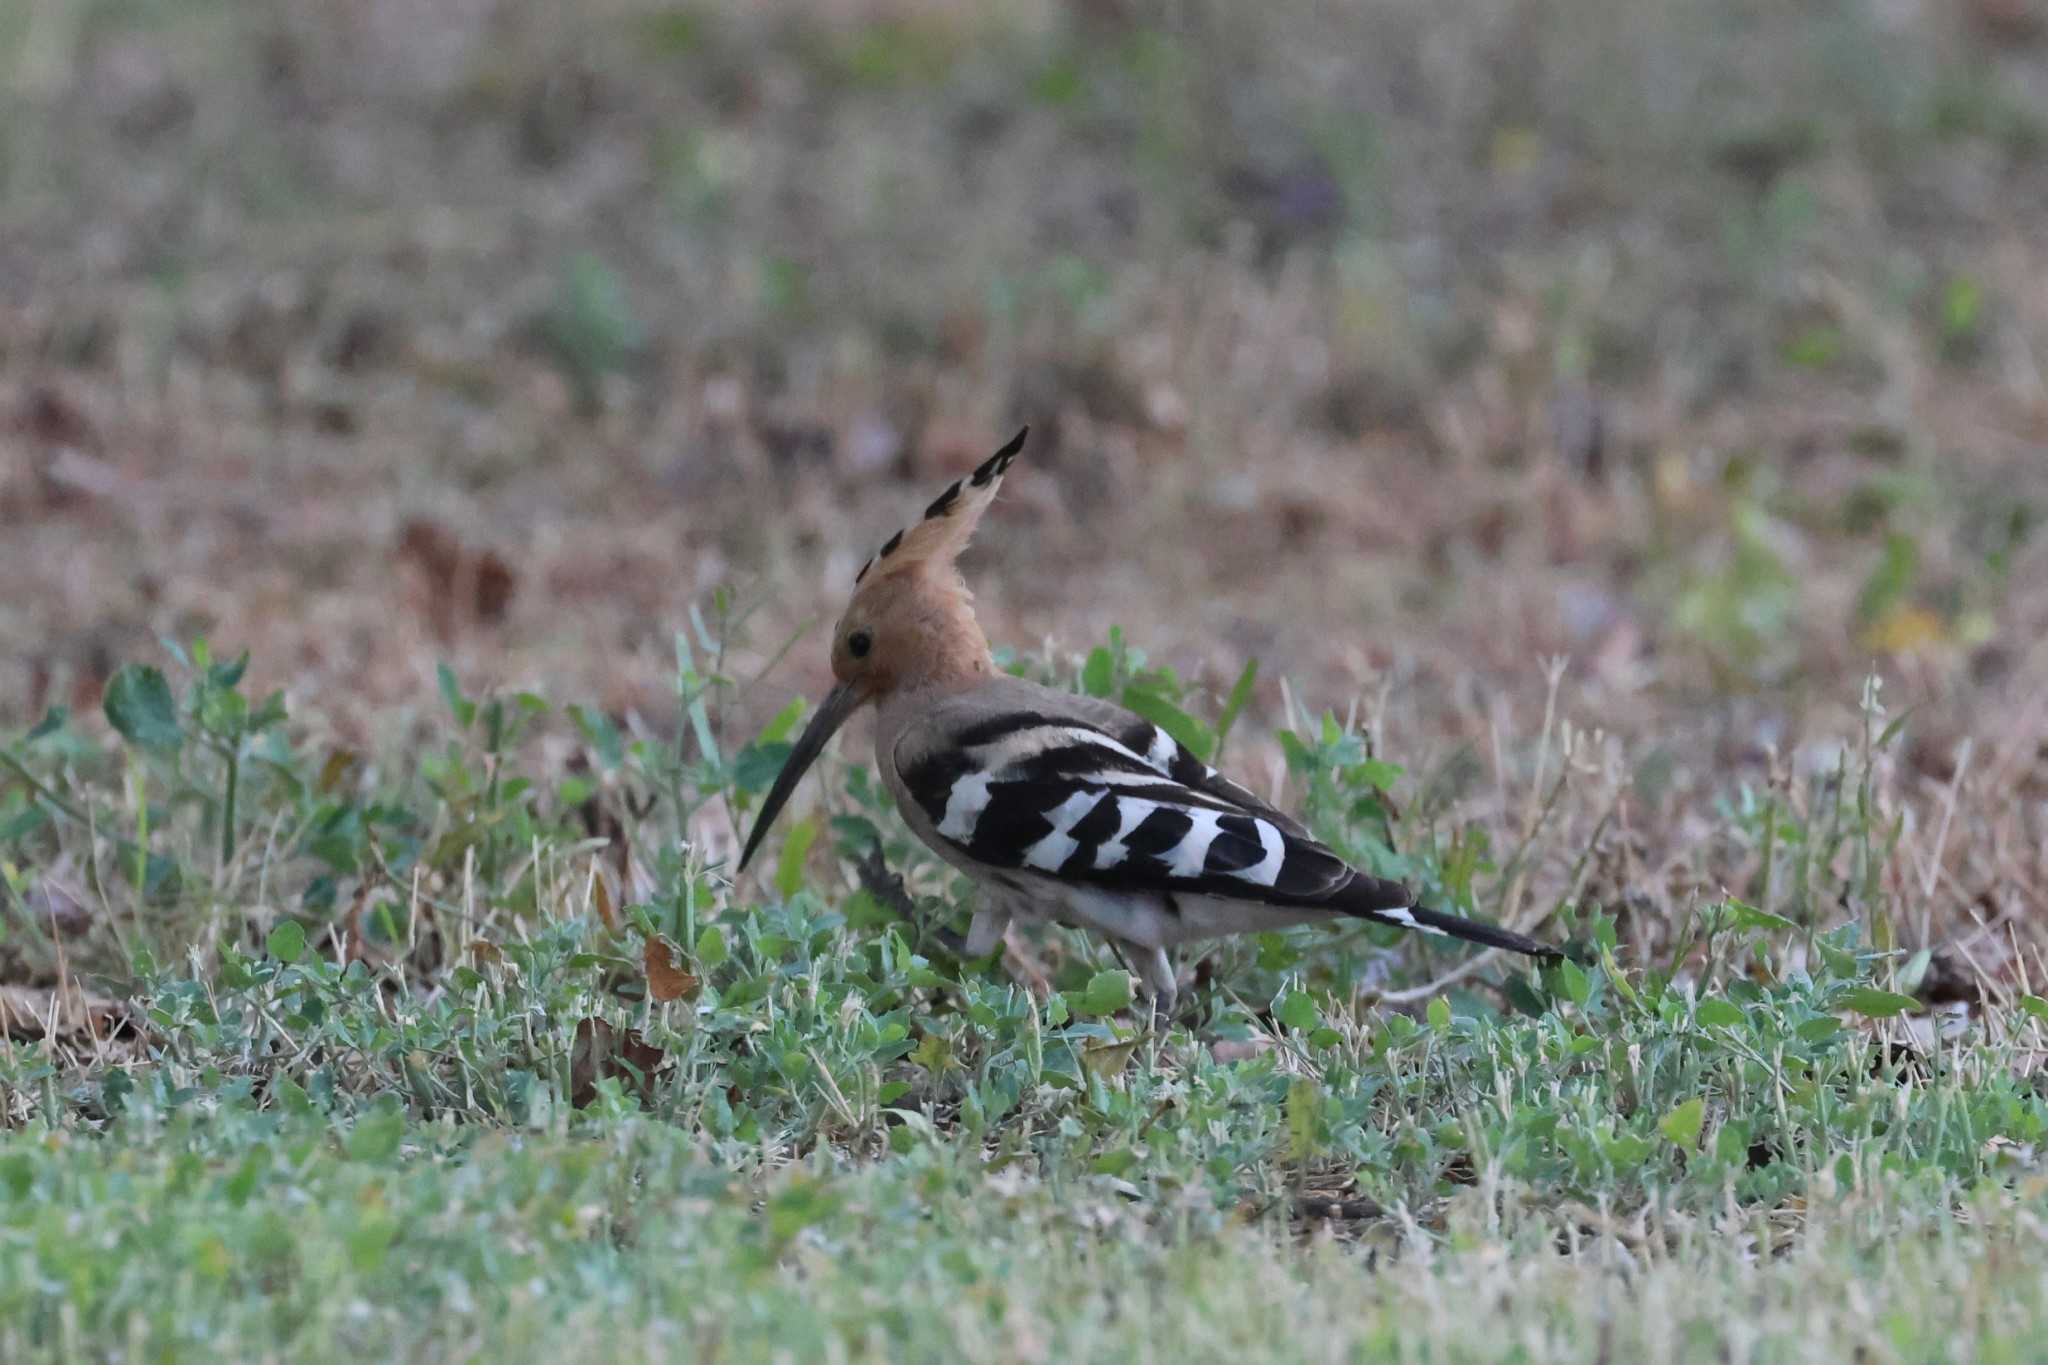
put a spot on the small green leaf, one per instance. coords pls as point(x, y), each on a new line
point(1192, 734)
point(1892, 579)
point(1107, 992)
point(1377, 775)
point(785, 721)
point(1962, 306)
point(139, 706)
point(1240, 694)
point(228, 674)
point(711, 947)
point(1440, 1015)
point(1115, 1162)
point(459, 706)
point(1304, 1110)
point(1682, 1125)
point(1573, 984)
point(600, 734)
point(2036, 1006)
point(270, 713)
point(375, 1138)
point(52, 721)
point(1731, 1142)
point(1098, 675)
point(1627, 1150)
point(1745, 916)
point(23, 824)
point(759, 764)
point(1297, 1010)
point(1876, 1004)
point(1618, 977)
point(287, 942)
point(1718, 1013)
point(1300, 758)
point(789, 868)
point(1819, 1030)
point(935, 1054)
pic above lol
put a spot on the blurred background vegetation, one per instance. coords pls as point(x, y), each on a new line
point(1402, 346)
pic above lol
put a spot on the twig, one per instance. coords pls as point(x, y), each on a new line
point(1932, 872)
point(14, 765)
point(1347, 1210)
point(1515, 869)
point(887, 888)
point(1553, 670)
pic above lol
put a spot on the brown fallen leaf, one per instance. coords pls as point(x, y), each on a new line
point(342, 768)
point(55, 426)
point(461, 583)
point(665, 980)
point(600, 1051)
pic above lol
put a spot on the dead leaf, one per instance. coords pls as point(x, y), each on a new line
point(493, 588)
point(342, 766)
point(665, 980)
point(600, 1051)
point(601, 897)
point(460, 583)
point(1106, 1060)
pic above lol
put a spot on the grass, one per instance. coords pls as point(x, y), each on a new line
point(1618, 434)
point(377, 1060)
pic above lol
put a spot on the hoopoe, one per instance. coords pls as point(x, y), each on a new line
point(1061, 806)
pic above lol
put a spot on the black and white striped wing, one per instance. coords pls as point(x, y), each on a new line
point(1056, 796)
point(1170, 757)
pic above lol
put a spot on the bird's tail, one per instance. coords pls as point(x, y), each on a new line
point(1389, 903)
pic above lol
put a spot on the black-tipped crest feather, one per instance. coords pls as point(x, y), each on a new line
point(994, 465)
point(924, 540)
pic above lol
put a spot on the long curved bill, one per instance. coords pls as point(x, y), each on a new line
point(839, 703)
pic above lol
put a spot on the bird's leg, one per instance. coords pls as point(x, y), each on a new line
point(985, 934)
point(1155, 969)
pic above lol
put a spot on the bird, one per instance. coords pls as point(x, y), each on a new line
point(1059, 806)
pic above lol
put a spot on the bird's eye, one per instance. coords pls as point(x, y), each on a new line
point(859, 643)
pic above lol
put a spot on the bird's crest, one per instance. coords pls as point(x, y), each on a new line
point(948, 523)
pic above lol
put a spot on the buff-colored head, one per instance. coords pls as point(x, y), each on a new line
point(909, 625)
